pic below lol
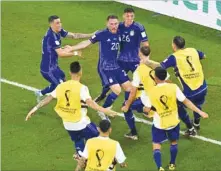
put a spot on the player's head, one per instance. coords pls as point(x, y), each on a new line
point(75, 69)
point(144, 53)
point(160, 74)
point(112, 23)
point(178, 43)
point(128, 16)
point(55, 23)
point(105, 127)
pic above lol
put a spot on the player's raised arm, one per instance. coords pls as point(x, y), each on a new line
point(42, 103)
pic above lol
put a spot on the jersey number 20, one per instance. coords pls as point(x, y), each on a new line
point(115, 46)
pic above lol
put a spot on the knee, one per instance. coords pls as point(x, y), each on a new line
point(156, 146)
point(117, 90)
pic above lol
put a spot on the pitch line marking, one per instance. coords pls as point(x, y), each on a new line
point(26, 87)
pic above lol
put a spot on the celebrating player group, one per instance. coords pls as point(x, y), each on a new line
point(123, 47)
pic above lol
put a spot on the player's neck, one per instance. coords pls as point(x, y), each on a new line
point(160, 82)
point(54, 30)
point(104, 134)
point(127, 24)
point(75, 77)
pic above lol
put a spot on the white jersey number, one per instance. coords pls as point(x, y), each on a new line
point(115, 46)
point(126, 38)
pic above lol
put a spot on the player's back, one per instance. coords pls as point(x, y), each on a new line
point(163, 99)
point(146, 75)
point(69, 101)
point(189, 68)
point(101, 153)
point(131, 38)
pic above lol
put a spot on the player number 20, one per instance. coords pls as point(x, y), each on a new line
point(115, 46)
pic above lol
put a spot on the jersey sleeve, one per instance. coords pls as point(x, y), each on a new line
point(120, 157)
point(84, 93)
point(145, 99)
point(143, 34)
point(63, 33)
point(96, 37)
point(136, 79)
point(55, 44)
point(179, 95)
point(201, 54)
point(168, 62)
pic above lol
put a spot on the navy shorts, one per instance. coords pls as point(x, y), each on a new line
point(137, 105)
point(89, 132)
point(55, 76)
point(128, 66)
point(117, 76)
point(161, 135)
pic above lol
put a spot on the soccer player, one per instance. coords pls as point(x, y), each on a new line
point(73, 98)
point(143, 75)
point(103, 153)
point(112, 75)
point(188, 69)
point(163, 99)
point(51, 50)
point(133, 35)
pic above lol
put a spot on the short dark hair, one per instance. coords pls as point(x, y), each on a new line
point(160, 73)
point(145, 50)
point(111, 17)
point(52, 18)
point(179, 42)
point(104, 125)
point(75, 67)
point(129, 10)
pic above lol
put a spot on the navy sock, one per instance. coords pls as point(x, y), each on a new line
point(110, 100)
point(126, 95)
point(104, 91)
point(157, 158)
point(79, 145)
point(48, 89)
point(173, 153)
point(197, 116)
point(130, 121)
point(184, 116)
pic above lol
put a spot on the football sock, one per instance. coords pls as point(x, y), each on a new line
point(173, 153)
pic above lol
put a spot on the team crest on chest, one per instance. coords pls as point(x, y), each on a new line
point(132, 33)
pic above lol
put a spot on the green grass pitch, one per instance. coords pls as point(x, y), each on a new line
point(42, 143)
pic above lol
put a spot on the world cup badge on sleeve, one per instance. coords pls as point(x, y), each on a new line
point(132, 33)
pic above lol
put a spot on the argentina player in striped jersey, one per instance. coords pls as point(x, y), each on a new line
point(51, 50)
point(133, 35)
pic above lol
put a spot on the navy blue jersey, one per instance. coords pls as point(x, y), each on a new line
point(50, 42)
point(109, 45)
point(131, 38)
point(171, 62)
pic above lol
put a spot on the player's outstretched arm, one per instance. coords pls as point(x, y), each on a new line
point(92, 104)
point(42, 103)
point(67, 52)
point(191, 106)
point(81, 45)
point(152, 64)
point(79, 35)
